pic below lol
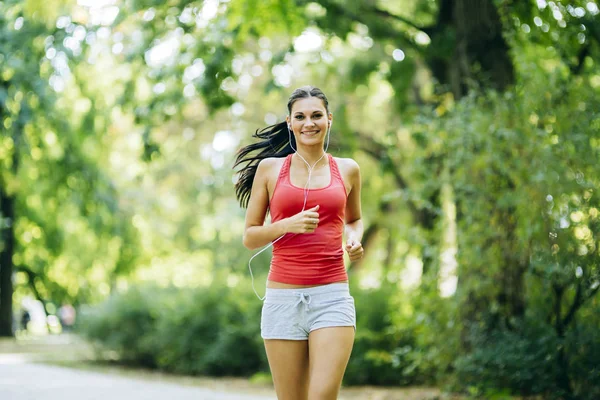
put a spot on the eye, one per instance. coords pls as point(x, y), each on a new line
point(299, 116)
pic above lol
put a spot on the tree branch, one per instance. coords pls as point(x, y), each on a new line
point(388, 14)
point(577, 303)
point(583, 53)
point(363, 17)
point(31, 276)
point(378, 151)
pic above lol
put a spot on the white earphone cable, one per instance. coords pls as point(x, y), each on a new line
point(306, 191)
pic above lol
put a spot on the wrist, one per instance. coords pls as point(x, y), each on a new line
point(353, 237)
point(281, 227)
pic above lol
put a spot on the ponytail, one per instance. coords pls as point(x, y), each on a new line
point(275, 143)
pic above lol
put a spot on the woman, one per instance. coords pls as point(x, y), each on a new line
point(308, 316)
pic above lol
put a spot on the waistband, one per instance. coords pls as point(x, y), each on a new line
point(318, 293)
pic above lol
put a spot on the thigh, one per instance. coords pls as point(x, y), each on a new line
point(288, 361)
point(329, 352)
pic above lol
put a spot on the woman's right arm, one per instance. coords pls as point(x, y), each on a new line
point(256, 233)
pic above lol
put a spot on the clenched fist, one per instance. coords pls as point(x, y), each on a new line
point(354, 249)
point(303, 222)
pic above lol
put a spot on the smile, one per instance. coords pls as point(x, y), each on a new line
point(310, 133)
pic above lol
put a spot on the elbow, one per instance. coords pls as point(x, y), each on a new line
point(354, 221)
point(247, 242)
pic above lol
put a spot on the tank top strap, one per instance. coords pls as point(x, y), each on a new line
point(335, 171)
point(285, 168)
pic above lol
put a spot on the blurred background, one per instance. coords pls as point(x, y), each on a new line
point(476, 124)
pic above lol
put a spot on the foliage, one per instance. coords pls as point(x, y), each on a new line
point(184, 331)
point(525, 361)
point(396, 344)
point(475, 125)
point(51, 157)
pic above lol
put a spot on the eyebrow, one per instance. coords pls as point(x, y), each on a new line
point(314, 112)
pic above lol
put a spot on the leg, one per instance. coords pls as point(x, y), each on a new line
point(288, 360)
point(329, 352)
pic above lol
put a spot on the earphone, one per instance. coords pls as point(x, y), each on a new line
point(306, 191)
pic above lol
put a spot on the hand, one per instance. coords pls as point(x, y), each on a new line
point(303, 222)
point(354, 249)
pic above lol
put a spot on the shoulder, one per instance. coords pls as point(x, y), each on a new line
point(347, 166)
point(270, 163)
point(268, 168)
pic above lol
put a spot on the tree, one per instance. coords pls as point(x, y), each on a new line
point(48, 180)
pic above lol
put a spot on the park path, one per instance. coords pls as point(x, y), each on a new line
point(25, 376)
point(54, 368)
point(26, 381)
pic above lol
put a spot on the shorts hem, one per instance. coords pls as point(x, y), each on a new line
point(275, 337)
point(332, 326)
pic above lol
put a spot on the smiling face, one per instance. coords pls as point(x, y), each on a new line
point(309, 121)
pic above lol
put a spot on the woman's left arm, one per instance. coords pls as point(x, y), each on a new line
point(354, 226)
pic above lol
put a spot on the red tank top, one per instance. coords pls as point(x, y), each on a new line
point(309, 258)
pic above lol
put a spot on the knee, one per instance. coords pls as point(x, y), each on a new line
point(323, 392)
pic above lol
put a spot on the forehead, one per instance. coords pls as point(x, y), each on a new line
point(308, 105)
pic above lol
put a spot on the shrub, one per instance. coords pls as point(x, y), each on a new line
point(209, 331)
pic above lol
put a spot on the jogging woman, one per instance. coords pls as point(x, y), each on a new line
point(308, 317)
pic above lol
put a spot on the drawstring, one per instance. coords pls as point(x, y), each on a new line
point(303, 298)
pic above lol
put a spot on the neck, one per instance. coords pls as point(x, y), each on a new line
point(312, 156)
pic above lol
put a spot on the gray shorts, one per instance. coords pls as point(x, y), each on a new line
point(293, 313)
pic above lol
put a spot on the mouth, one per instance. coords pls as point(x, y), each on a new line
point(310, 133)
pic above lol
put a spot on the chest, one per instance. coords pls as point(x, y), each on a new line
point(317, 179)
point(298, 177)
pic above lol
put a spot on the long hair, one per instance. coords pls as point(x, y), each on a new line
point(274, 142)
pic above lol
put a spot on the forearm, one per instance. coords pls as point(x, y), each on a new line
point(354, 230)
point(259, 236)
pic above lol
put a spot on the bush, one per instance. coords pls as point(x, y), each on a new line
point(389, 347)
point(526, 362)
point(209, 331)
point(216, 331)
point(125, 324)
point(509, 360)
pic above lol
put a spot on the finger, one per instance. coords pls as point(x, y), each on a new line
point(357, 251)
point(315, 208)
point(312, 215)
point(355, 247)
point(311, 224)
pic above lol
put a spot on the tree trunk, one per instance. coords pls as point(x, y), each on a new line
point(468, 51)
point(467, 47)
point(7, 241)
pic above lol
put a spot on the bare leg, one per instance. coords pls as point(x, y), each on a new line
point(288, 360)
point(329, 350)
